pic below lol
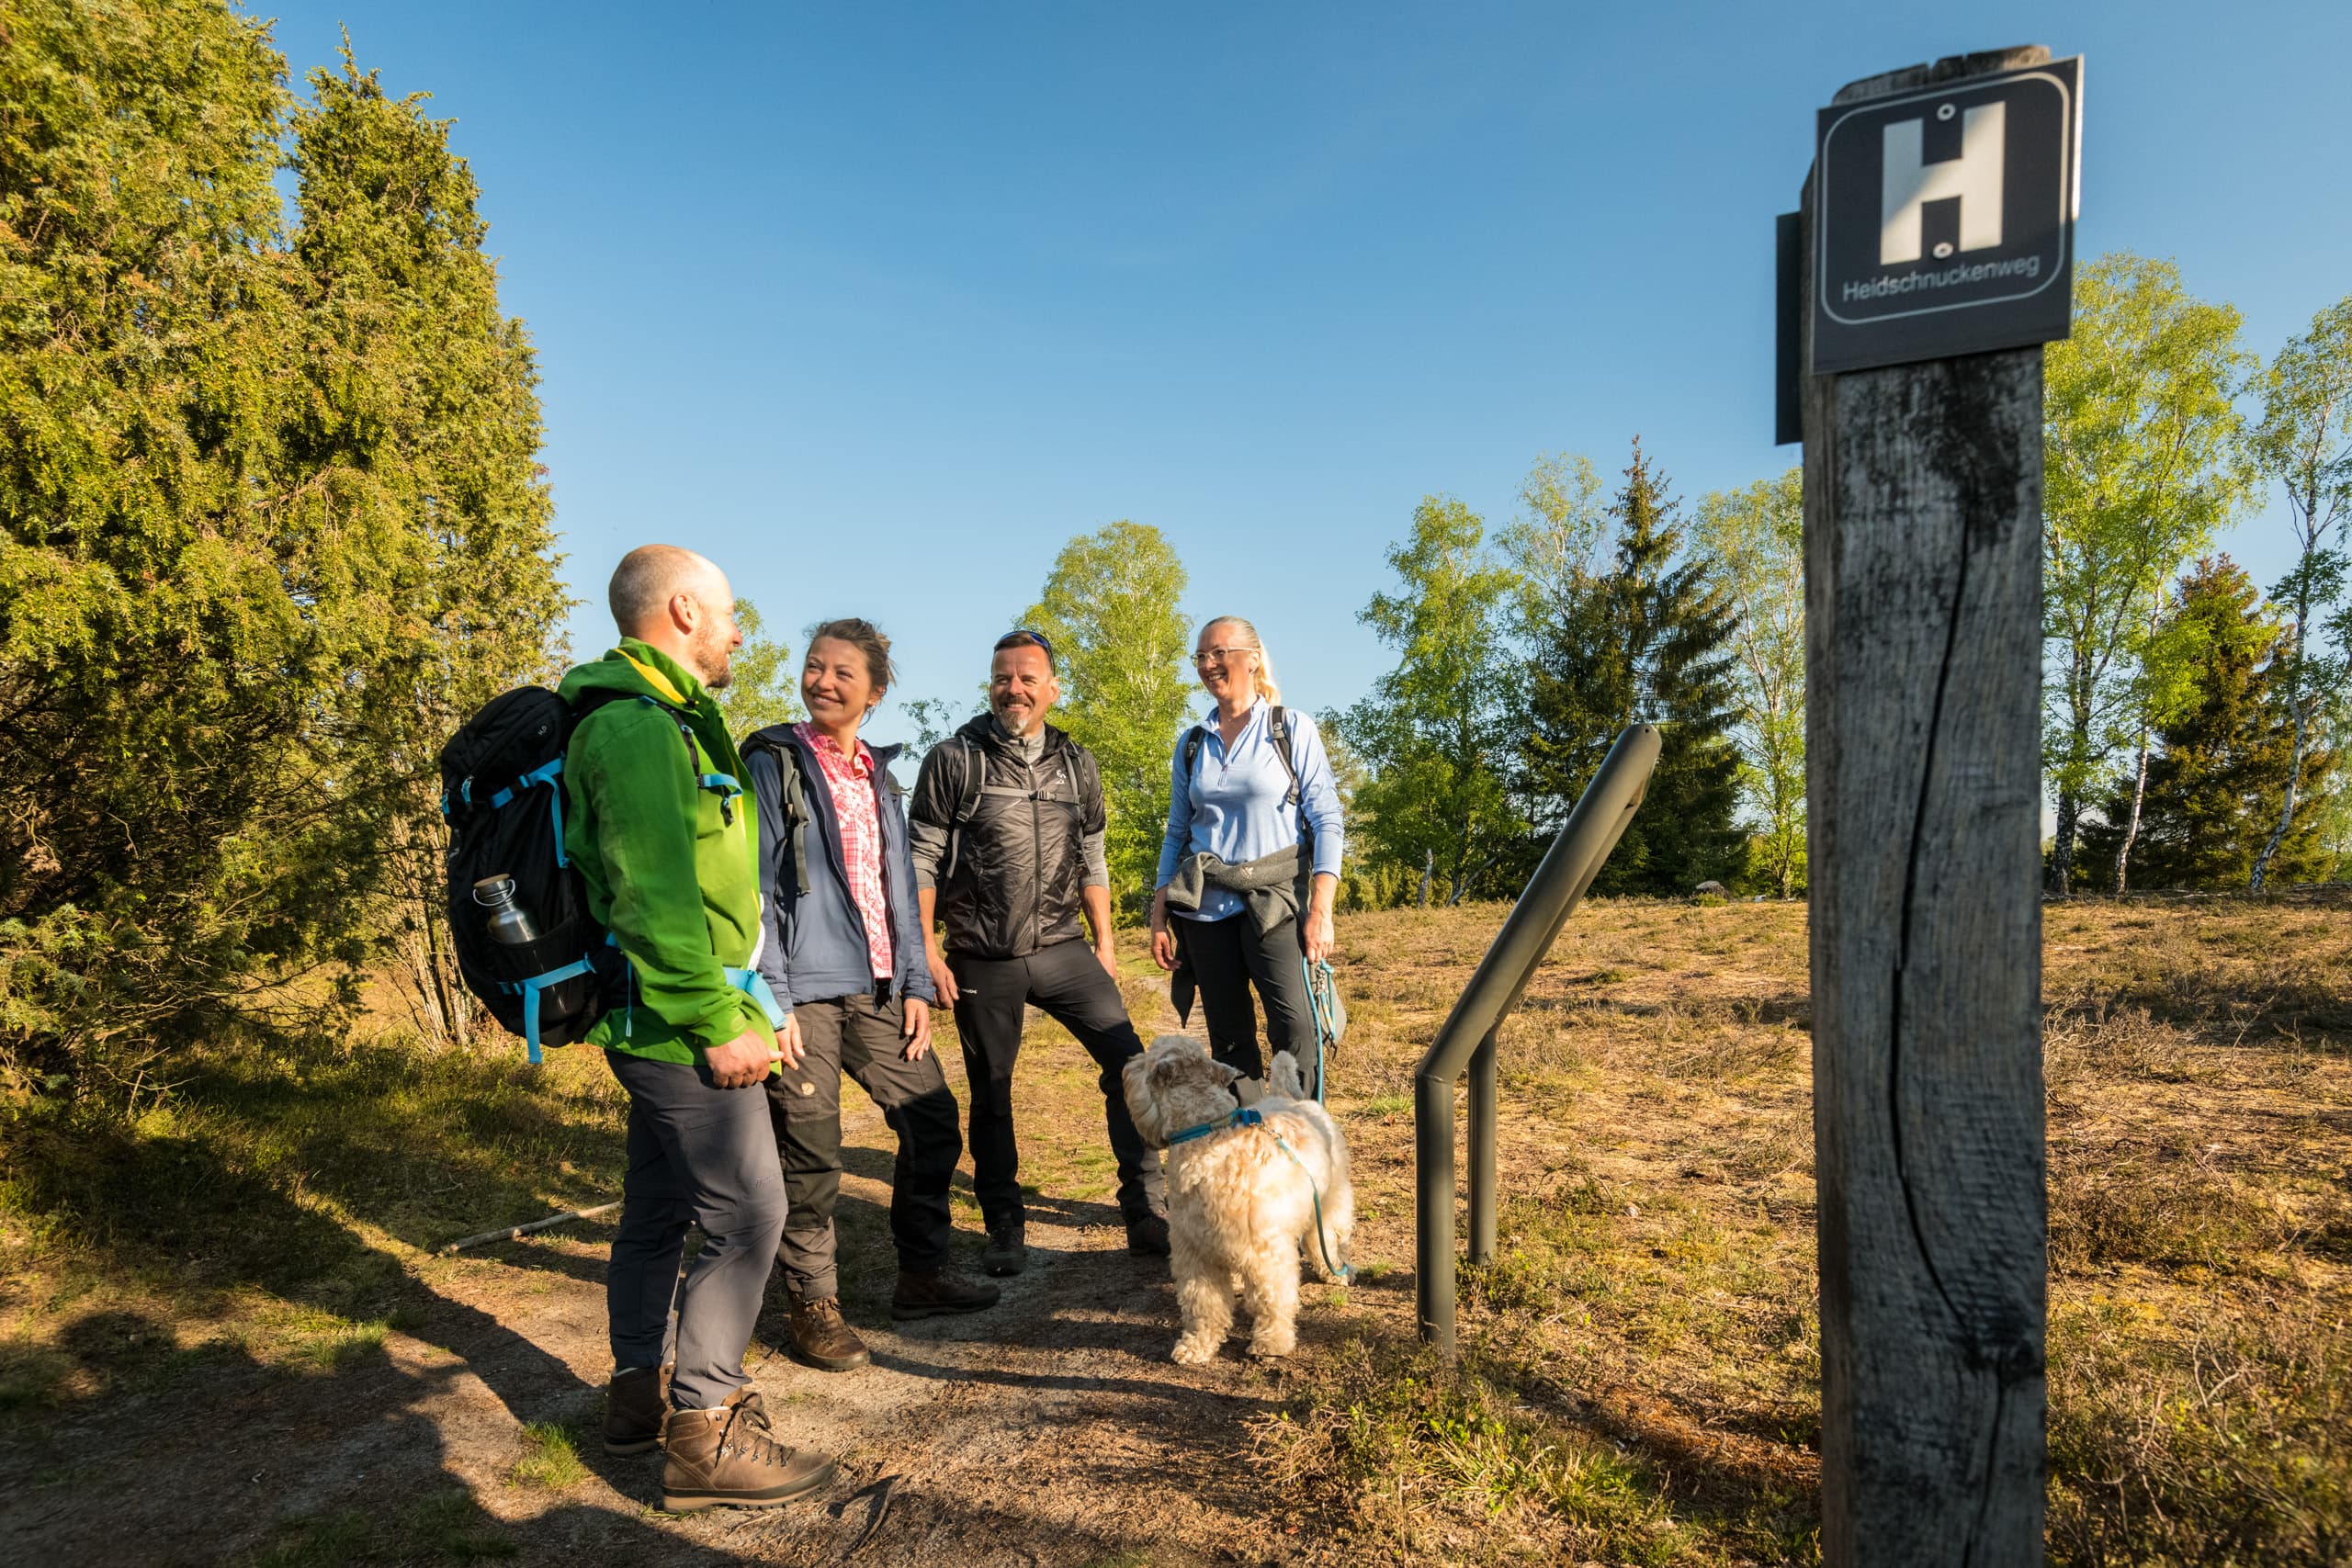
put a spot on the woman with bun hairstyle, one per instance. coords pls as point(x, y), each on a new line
point(1250, 861)
point(844, 950)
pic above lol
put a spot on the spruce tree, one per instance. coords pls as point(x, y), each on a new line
point(1642, 641)
point(2213, 788)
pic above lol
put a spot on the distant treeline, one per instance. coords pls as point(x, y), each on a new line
point(272, 521)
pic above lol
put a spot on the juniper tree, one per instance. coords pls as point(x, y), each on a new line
point(269, 513)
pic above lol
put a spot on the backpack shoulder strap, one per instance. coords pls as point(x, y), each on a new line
point(795, 807)
point(1278, 727)
point(1194, 738)
point(967, 803)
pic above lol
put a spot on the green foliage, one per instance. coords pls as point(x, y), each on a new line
point(763, 685)
point(1641, 641)
point(1434, 731)
point(2224, 755)
point(2143, 463)
point(1755, 536)
point(1109, 607)
point(2305, 443)
point(270, 520)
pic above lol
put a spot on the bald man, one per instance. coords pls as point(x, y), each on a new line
point(669, 850)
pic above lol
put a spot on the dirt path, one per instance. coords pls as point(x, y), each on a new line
point(1051, 1431)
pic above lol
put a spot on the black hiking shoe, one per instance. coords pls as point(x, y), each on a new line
point(1007, 1252)
point(937, 1295)
point(637, 1404)
point(1148, 1234)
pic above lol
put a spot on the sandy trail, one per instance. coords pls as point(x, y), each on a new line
point(1053, 1430)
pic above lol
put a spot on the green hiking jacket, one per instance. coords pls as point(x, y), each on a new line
point(672, 871)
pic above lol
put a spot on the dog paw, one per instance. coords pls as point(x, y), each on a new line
point(1191, 1352)
point(1269, 1346)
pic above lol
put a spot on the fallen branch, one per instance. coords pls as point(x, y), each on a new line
point(511, 1232)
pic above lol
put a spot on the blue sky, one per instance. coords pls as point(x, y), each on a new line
point(879, 305)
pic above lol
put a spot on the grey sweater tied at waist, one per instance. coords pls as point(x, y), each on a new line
point(1272, 887)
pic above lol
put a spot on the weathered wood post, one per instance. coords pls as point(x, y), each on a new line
point(1923, 540)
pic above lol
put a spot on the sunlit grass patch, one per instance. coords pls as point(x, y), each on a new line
point(550, 1459)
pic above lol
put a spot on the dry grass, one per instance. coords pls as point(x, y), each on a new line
point(1640, 1366)
point(1639, 1379)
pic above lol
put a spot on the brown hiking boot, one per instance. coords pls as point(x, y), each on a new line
point(823, 1339)
point(729, 1455)
point(935, 1294)
point(635, 1404)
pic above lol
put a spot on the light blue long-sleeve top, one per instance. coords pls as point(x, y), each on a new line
point(1234, 805)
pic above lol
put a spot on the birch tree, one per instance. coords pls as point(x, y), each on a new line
point(2143, 461)
point(1755, 538)
point(2305, 443)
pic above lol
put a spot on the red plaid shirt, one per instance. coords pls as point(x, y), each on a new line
point(850, 780)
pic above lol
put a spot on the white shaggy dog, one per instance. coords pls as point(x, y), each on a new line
point(1239, 1206)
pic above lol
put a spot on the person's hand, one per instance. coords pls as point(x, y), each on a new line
point(1163, 941)
point(744, 1060)
point(916, 1030)
point(943, 978)
point(1318, 935)
point(1106, 954)
point(788, 1043)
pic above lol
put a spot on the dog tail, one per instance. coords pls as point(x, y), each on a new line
point(1286, 1078)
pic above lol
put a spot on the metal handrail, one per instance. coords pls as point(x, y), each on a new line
point(1468, 1038)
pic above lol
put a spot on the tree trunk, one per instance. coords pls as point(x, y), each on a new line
point(1429, 869)
point(2294, 776)
point(2131, 829)
point(2061, 845)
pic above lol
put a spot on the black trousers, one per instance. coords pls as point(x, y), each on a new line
point(859, 1036)
point(1227, 958)
point(1069, 984)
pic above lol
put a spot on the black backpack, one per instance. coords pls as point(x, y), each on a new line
point(502, 793)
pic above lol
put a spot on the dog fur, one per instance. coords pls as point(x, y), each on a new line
point(1238, 1207)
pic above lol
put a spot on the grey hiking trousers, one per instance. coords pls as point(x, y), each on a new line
point(704, 1155)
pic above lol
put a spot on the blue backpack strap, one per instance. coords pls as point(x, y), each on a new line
point(546, 773)
point(754, 985)
point(529, 991)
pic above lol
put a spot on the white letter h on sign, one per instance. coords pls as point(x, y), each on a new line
point(1974, 176)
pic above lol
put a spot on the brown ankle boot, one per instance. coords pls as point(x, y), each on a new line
point(823, 1339)
point(634, 1408)
point(730, 1455)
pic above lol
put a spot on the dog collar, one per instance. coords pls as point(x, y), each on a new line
point(1243, 1116)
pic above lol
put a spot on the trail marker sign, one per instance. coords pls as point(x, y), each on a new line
point(1945, 218)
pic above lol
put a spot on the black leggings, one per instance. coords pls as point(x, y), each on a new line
point(1227, 957)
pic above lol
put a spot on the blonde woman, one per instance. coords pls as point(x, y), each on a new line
point(1250, 860)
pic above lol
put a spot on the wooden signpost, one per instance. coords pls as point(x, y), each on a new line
point(1923, 557)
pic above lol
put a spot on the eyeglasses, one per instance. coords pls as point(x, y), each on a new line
point(1209, 656)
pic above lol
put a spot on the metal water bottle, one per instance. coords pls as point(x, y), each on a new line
point(509, 922)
